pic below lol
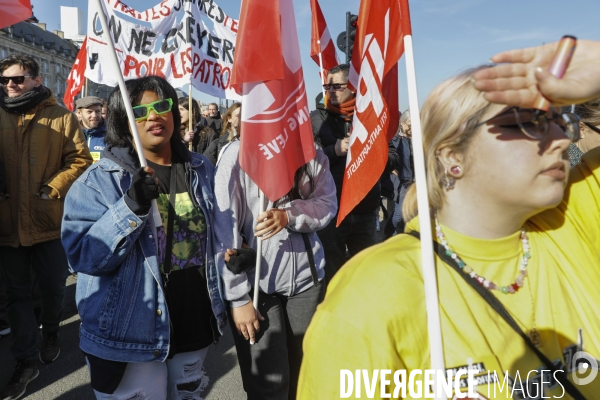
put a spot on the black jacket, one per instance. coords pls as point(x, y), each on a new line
point(215, 123)
point(328, 128)
point(214, 148)
point(201, 142)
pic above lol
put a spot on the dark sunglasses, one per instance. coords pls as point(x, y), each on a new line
point(16, 79)
point(523, 119)
point(160, 107)
point(592, 127)
point(335, 86)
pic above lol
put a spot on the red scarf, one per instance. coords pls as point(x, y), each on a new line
point(346, 109)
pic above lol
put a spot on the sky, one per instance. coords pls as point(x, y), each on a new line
point(448, 35)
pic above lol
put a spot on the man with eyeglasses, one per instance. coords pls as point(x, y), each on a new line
point(89, 112)
point(331, 123)
point(44, 152)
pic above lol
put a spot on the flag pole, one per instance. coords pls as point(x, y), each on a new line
point(125, 96)
point(321, 67)
point(429, 274)
point(261, 199)
point(190, 114)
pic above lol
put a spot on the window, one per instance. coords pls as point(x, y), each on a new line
point(46, 80)
point(65, 71)
point(57, 69)
point(4, 53)
point(45, 66)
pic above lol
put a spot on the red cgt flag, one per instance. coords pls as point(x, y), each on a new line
point(13, 11)
point(276, 133)
point(320, 32)
point(382, 25)
point(76, 77)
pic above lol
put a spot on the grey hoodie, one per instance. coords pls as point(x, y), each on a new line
point(284, 266)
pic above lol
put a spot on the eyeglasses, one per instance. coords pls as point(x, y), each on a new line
point(160, 107)
point(523, 119)
point(335, 86)
point(592, 127)
point(16, 79)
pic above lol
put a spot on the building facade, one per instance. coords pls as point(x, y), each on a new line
point(51, 50)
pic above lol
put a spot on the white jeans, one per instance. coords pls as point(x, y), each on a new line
point(158, 381)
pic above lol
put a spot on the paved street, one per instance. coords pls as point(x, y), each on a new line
point(67, 378)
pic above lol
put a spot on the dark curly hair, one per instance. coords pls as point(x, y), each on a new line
point(117, 123)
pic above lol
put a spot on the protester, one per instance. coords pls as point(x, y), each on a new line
point(201, 136)
point(104, 109)
point(89, 111)
point(404, 175)
point(201, 117)
point(214, 120)
point(589, 125)
point(147, 295)
point(43, 151)
point(331, 126)
point(292, 268)
point(513, 225)
point(229, 132)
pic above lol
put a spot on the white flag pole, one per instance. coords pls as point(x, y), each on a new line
point(124, 94)
point(321, 66)
point(428, 261)
point(261, 199)
point(190, 114)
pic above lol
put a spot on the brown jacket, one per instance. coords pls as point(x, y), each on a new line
point(43, 148)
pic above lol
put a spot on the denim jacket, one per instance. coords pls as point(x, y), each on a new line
point(120, 297)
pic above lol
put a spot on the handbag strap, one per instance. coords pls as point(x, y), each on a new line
point(311, 259)
point(170, 223)
point(501, 310)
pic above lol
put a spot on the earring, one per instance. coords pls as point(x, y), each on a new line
point(455, 169)
point(448, 181)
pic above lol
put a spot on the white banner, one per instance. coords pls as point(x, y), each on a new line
point(183, 41)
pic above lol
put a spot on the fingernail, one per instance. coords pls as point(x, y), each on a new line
point(252, 342)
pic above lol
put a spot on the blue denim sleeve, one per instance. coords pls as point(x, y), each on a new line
point(98, 228)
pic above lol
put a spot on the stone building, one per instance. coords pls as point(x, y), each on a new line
point(51, 50)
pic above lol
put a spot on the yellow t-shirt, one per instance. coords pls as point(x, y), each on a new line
point(374, 318)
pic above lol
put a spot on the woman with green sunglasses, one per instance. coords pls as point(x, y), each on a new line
point(147, 295)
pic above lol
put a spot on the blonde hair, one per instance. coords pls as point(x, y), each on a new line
point(227, 126)
point(449, 118)
point(589, 112)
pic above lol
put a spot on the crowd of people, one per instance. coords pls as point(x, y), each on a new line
point(165, 253)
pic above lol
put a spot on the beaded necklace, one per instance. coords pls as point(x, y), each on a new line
point(508, 289)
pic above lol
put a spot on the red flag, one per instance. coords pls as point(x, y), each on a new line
point(382, 25)
point(276, 133)
point(13, 11)
point(320, 32)
point(76, 77)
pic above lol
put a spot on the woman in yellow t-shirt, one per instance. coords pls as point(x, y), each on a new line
point(505, 208)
